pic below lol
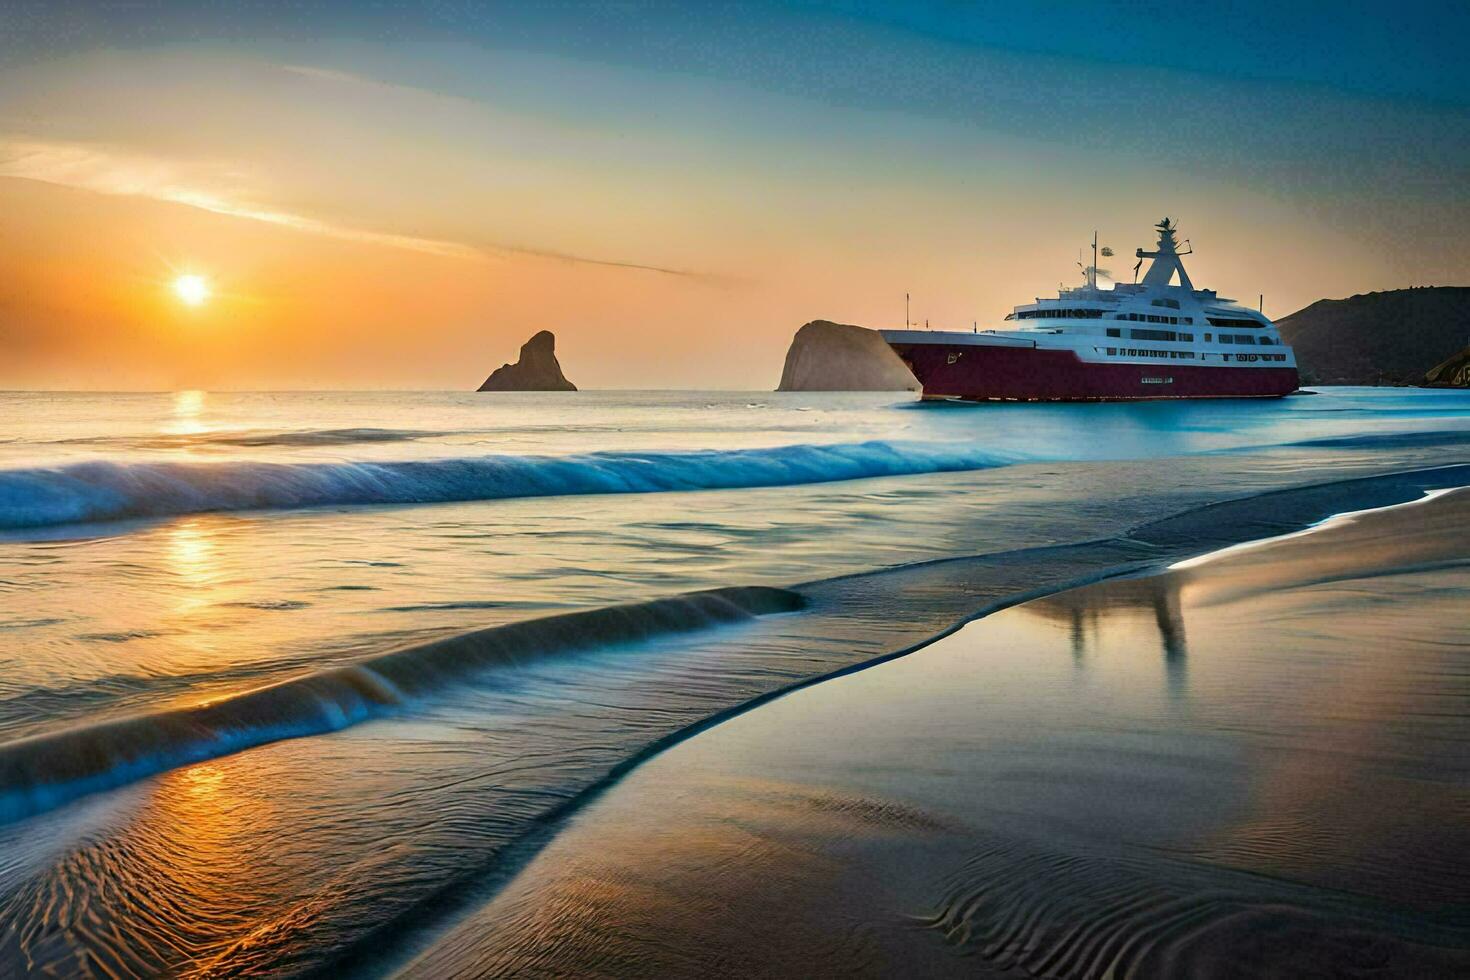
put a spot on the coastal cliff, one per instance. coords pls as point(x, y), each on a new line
point(827, 356)
point(536, 370)
point(1452, 372)
point(1388, 338)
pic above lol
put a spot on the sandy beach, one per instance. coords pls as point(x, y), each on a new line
point(1249, 762)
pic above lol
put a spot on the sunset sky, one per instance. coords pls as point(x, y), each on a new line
point(398, 199)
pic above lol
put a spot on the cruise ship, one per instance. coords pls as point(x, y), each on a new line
point(1157, 338)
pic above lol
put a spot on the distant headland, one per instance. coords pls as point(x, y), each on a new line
point(1397, 337)
point(537, 369)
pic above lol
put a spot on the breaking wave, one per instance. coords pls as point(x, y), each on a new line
point(102, 491)
point(45, 771)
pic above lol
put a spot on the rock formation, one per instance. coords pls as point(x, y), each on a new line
point(537, 369)
point(826, 356)
point(1453, 372)
point(1391, 338)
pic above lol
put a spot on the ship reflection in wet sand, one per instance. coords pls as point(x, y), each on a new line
point(1253, 764)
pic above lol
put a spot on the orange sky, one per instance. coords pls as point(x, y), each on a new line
point(673, 231)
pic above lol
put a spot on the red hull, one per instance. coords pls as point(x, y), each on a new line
point(983, 373)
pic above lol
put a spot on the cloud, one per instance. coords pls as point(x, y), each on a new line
point(223, 188)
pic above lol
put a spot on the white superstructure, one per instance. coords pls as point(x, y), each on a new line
point(1152, 322)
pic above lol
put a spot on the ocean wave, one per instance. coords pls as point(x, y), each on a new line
point(1389, 440)
point(235, 438)
point(104, 491)
point(45, 771)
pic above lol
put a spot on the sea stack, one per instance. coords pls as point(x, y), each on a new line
point(827, 356)
point(536, 370)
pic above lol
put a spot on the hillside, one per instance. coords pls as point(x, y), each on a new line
point(1391, 337)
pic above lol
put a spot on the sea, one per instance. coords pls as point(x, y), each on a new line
point(292, 682)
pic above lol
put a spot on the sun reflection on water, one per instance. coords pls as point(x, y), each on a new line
point(191, 554)
point(188, 408)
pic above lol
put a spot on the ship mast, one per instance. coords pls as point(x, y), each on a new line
point(1090, 273)
point(1165, 259)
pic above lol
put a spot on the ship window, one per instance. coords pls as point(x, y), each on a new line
point(1082, 314)
point(1222, 321)
point(1186, 336)
point(1112, 350)
point(1244, 338)
point(1114, 332)
point(1152, 334)
point(1187, 319)
point(1207, 338)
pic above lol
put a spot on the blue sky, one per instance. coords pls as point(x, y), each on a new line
point(1411, 50)
point(765, 163)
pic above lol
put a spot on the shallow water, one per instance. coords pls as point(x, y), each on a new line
point(1253, 765)
point(165, 556)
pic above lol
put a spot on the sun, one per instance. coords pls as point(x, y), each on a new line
point(192, 289)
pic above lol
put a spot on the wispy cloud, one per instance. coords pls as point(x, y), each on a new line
point(222, 188)
point(336, 76)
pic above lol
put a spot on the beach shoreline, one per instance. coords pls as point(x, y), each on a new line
point(777, 818)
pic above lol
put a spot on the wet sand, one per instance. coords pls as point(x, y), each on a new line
point(1253, 764)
